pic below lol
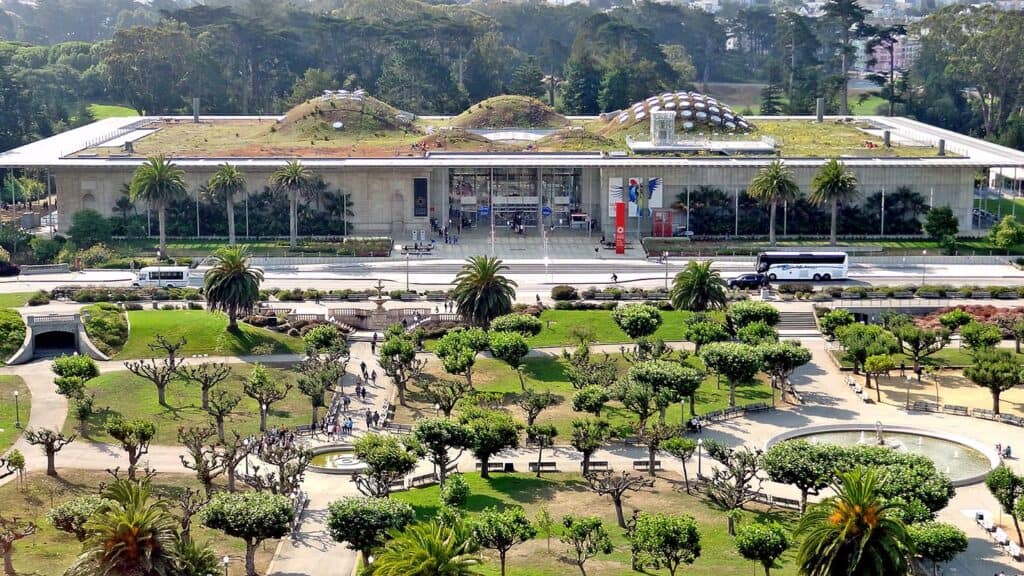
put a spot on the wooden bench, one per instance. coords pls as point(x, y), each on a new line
point(756, 407)
point(955, 410)
point(1011, 419)
point(497, 466)
point(549, 466)
point(598, 465)
point(397, 485)
point(713, 415)
point(399, 428)
point(422, 480)
point(645, 465)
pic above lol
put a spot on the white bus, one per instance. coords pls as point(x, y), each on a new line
point(803, 265)
point(163, 276)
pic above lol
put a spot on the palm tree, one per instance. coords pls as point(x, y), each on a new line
point(773, 184)
point(131, 536)
point(227, 180)
point(854, 532)
point(428, 549)
point(124, 205)
point(293, 177)
point(698, 288)
point(833, 184)
point(481, 292)
point(232, 285)
point(159, 182)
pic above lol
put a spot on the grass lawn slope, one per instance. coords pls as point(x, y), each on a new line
point(206, 334)
point(133, 397)
point(565, 494)
point(510, 112)
point(50, 552)
point(8, 433)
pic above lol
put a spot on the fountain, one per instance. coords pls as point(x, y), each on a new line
point(965, 461)
point(335, 459)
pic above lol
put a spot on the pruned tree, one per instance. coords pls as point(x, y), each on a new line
point(438, 436)
point(654, 437)
point(251, 516)
point(222, 403)
point(51, 441)
point(160, 372)
point(587, 538)
point(639, 398)
point(608, 483)
point(319, 373)
point(808, 467)
point(206, 375)
point(533, 403)
point(190, 503)
point(71, 516)
point(665, 540)
point(265, 390)
point(511, 348)
point(732, 484)
point(13, 463)
point(134, 437)
point(500, 530)
point(398, 359)
point(13, 529)
point(543, 435)
point(202, 454)
point(284, 468)
point(683, 449)
point(919, 343)
point(491, 431)
point(588, 435)
point(445, 394)
point(365, 523)
point(231, 453)
point(387, 460)
point(582, 370)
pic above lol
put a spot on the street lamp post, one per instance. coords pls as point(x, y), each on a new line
point(909, 380)
point(245, 443)
point(17, 410)
point(407, 269)
point(226, 560)
point(923, 265)
point(700, 444)
point(664, 256)
point(263, 417)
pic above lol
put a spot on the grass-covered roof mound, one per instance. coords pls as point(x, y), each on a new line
point(575, 139)
point(510, 112)
point(458, 140)
point(357, 114)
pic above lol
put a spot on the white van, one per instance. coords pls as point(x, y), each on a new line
point(163, 276)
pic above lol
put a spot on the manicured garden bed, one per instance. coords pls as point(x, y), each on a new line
point(106, 326)
point(206, 334)
point(563, 494)
point(132, 397)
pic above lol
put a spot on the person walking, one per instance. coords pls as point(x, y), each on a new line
point(362, 368)
point(373, 378)
point(369, 418)
point(345, 401)
point(376, 418)
point(373, 350)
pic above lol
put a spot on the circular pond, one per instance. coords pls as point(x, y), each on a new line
point(963, 460)
point(338, 459)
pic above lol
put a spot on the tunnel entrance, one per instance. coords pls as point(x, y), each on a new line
point(50, 344)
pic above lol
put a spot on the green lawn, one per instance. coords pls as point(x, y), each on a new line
point(102, 111)
point(563, 494)
point(547, 373)
point(49, 552)
point(558, 325)
point(8, 432)
point(205, 332)
point(949, 357)
point(14, 299)
point(132, 397)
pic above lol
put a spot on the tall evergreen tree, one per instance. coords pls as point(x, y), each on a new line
point(527, 79)
point(582, 85)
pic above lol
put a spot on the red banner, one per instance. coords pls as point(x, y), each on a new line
point(620, 227)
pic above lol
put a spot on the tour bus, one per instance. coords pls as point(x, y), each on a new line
point(803, 265)
point(163, 276)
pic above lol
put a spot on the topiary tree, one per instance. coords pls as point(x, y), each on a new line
point(265, 390)
point(523, 324)
point(937, 542)
point(607, 483)
point(980, 336)
point(586, 537)
point(134, 437)
point(665, 540)
point(251, 516)
point(835, 319)
point(749, 311)
point(876, 366)
point(780, 359)
point(387, 460)
point(997, 370)
point(762, 542)
point(954, 319)
point(1007, 488)
point(737, 362)
point(455, 492)
point(491, 431)
point(637, 320)
point(457, 351)
point(705, 332)
point(863, 340)
point(808, 467)
point(398, 359)
point(438, 436)
point(683, 449)
point(500, 530)
point(588, 435)
point(757, 333)
point(590, 399)
point(511, 348)
point(366, 523)
point(920, 343)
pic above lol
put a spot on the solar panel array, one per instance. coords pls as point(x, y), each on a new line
point(694, 109)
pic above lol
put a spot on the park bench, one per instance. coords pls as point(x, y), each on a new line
point(852, 295)
point(409, 297)
point(632, 296)
point(397, 485)
point(955, 410)
point(732, 412)
point(644, 465)
point(1011, 419)
point(658, 296)
point(497, 466)
point(983, 413)
point(925, 406)
point(545, 466)
point(757, 407)
point(789, 503)
point(713, 415)
point(598, 465)
point(423, 480)
point(399, 428)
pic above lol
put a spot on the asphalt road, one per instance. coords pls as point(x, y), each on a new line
point(534, 276)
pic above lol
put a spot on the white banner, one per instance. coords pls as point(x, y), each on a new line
point(614, 195)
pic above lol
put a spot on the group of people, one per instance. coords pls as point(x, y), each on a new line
point(275, 436)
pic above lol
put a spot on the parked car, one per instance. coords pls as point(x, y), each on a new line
point(8, 269)
point(748, 281)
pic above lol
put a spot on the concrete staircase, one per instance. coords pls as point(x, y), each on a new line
point(802, 322)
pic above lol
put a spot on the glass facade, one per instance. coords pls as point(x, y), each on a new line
point(519, 199)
